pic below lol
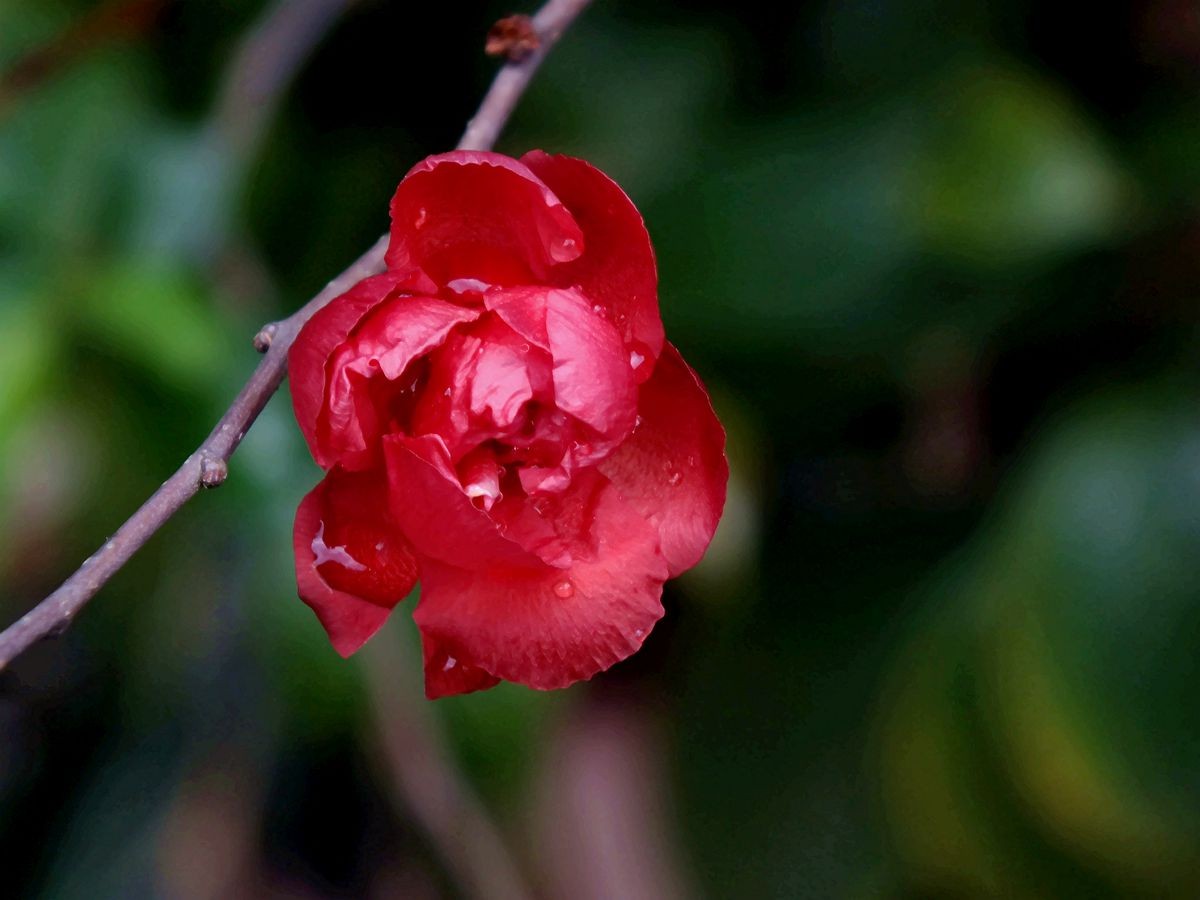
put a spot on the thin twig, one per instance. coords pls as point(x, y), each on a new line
point(207, 466)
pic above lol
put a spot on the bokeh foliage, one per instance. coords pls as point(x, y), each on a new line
point(939, 264)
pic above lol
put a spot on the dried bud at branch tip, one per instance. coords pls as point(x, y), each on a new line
point(513, 37)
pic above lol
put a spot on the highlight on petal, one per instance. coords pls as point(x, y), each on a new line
point(673, 469)
point(617, 270)
point(479, 216)
point(352, 563)
point(546, 627)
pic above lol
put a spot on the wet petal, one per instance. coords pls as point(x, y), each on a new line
point(593, 380)
point(481, 216)
point(672, 469)
point(546, 627)
point(617, 269)
point(445, 675)
point(352, 563)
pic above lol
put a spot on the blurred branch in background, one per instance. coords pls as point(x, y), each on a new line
point(112, 21)
point(208, 466)
point(264, 65)
point(605, 822)
point(428, 786)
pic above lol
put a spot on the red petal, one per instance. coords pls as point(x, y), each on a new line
point(672, 469)
point(593, 379)
point(384, 343)
point(523, 309)
point(352, 564)
point(480, 216)
point(435, 513)
point(545, 627)
point(327, 328)
point(479, 384)
point(617, 267)
point(446, 675)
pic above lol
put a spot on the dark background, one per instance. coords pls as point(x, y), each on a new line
point(939, 265)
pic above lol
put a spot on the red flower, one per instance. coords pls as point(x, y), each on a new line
point(498, 413)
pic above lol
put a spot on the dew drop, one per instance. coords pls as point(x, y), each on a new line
point(446, 392)
point(524, 348)
point(467, 286)
point(564, 589)
point(599, 310)
point(635, 359)
point(419, 221)
point(638, 632)
point(323, 553)
point(637, 423)
point(451, 662)
point(379, 546)
point(674, 478)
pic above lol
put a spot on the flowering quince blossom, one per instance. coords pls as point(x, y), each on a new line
point(498, 414)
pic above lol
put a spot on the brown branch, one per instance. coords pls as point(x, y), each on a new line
point(207, 466)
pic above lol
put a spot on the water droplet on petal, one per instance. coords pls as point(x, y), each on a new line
point(323, 553)
point(524, 348)
point(446, 392)
point(637, 423)
point(451, 662)
point(419, 221)
point(541, 506)
point(379, 546)
point(635, 359)
point(638, 632)
point(599, 310)
point(674, 478)
point(467, 286)
point(564, 589)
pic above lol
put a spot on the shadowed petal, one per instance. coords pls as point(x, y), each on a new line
point(546, 627)
point(446, 675)
point(352, 564)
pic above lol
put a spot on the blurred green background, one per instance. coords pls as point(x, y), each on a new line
point(939, 264)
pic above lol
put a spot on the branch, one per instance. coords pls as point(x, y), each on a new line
point(208, 465)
